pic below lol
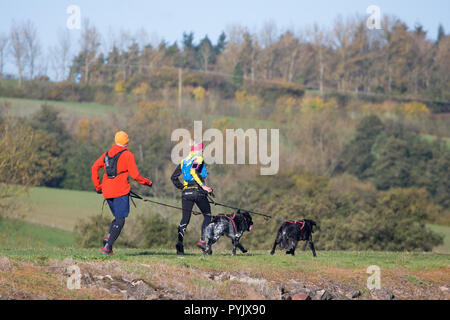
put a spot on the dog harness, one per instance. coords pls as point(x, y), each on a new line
point(229, 218)
point(232, 220)
point(301, 222)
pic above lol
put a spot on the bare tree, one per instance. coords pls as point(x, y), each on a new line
point(90, 44)
point(18, 50)
point(31, 44)
point(320, 42)
point(342, 33)
point(267, 38)
point(3, 45)
point(60, 55)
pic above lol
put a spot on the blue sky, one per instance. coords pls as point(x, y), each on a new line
point(168, 19)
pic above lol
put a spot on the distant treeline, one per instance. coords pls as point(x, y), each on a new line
point(348, 59)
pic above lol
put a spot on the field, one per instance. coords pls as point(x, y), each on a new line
point(25, 107)
point(38, 254)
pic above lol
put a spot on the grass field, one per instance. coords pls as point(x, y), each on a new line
point(254, 261)
point(19, 234)
point(36, 252)
point(25, 107)
point(222, 276)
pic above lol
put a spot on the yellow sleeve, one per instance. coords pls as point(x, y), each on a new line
point(199, 160)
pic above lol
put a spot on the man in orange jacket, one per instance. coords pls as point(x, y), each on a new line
point(118, 163)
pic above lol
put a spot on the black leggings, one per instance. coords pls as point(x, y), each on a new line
point(188, 199)
point(114, 231)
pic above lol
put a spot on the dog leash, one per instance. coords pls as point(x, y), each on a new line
point(211, 200)
point(266, 216)
point(137, 196)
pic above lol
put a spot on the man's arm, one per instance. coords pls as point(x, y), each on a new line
point(176, 182)
point(134, 172)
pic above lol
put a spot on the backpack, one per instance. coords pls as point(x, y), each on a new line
point(111, 165)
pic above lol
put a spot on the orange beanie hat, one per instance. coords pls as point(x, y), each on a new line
point(121, 138)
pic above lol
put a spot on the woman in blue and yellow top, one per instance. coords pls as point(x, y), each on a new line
point(193, 169)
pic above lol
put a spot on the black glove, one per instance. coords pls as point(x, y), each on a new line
point(99, 191)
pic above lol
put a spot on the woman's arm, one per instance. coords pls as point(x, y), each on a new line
point(176, 182)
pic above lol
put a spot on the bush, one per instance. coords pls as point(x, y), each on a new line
point(392, 220)
point(140, 231)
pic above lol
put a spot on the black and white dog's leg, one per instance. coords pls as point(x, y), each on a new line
point(276, 242)
point(210, 238)
point(304, 246)
point(208, 249)
point(294, 247)
point(233, 241)
point(240, 246)
point(311, 245)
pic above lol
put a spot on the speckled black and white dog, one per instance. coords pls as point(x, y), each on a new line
point(291, 232)
point(231, 225)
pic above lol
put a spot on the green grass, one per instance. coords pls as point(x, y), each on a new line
point(19, 234)
point(26, 107)
point(445, 231)
point(256, 261)
point(58, 208)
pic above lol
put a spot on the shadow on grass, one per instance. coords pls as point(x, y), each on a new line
point(190, 254)
point(157, 253)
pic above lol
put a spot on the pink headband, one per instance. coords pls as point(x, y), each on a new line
point(197, 147)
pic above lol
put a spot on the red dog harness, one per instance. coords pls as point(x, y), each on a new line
point(229, 218)
point(232, 220)
point(301, 222)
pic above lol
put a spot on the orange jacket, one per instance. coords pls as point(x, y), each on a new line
point(118, 186)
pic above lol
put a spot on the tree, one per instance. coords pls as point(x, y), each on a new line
point(342, 41)
point(47, 119)
point(441, 66)
point(247, 56)
point(60, 54)
point(206, 52)
point(438, 176)
point(320, 42)
point(31, 45)
point(238, 75)
point(267, 59)
point(90, 44)
point(221, 44)
point(391, 169)
point(288, 50)
point(18, 50)
point(188, 58)
point(357, 156)
point(3, 45)
point(440, 34)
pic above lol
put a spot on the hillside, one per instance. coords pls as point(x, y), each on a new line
point(36, 260)
point(160, 274)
